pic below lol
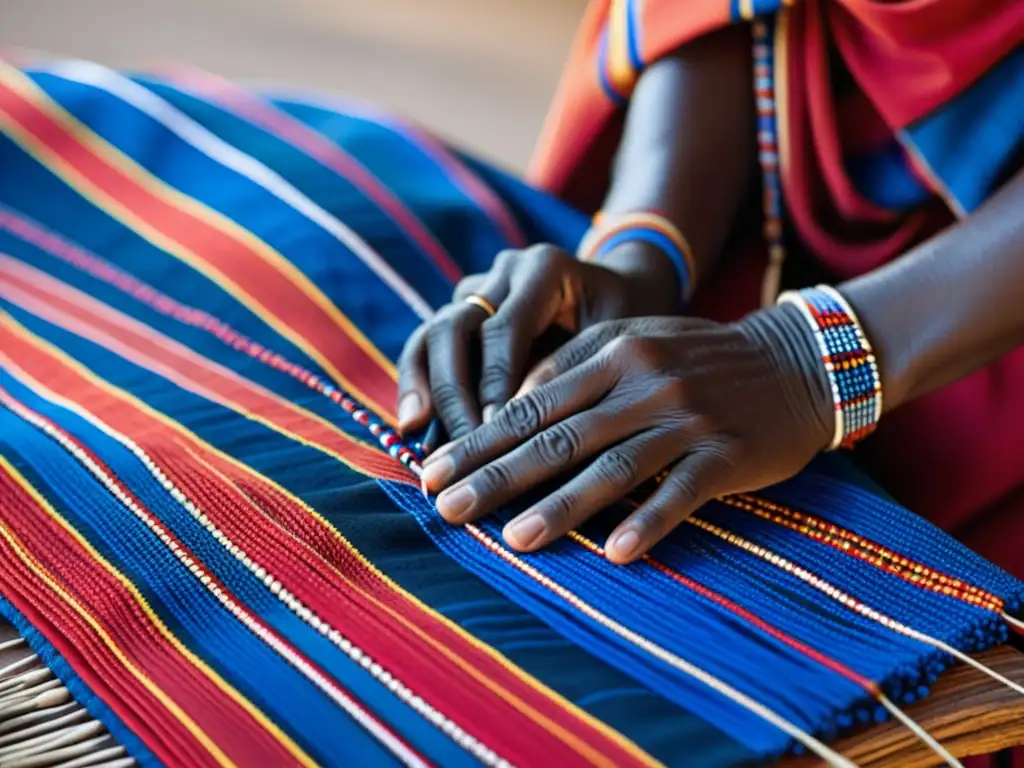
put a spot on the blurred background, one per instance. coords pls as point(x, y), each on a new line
point(478, 72)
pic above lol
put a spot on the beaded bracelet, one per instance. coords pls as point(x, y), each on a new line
point(609, 232)
point(849, 361)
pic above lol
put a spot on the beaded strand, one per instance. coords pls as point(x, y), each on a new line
point(768, 156)
point(848, 359)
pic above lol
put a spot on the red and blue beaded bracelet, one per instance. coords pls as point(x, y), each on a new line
point(848, 359)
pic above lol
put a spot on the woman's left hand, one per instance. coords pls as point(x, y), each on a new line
point(730, 407)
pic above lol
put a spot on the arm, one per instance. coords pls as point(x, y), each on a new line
point(951, 305)
point(733, 407)
point(688, 150)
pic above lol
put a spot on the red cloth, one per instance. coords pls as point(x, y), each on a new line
point(957, 455)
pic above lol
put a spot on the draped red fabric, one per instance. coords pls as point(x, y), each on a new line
point(953, 456)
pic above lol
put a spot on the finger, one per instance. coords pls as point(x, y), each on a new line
point(467, 287)
point(448, 353)
point(413, 384)
point(697, 479)
point(610, 478)
point(534, 301)
point(518, 421)
point(544, 457)
point(570, 355)
point(451, 344)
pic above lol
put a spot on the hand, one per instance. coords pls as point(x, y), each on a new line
point(731, 408)
point(535, 291)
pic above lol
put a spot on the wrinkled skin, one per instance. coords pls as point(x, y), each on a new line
point(729, 407)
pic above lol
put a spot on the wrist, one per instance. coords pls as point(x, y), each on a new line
point(650, 276)
point(789, 343)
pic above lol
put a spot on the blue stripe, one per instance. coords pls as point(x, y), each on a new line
point(131, 473)
point(344, 279)
point(81, 692)
point(199, 341)
point(634, 28)
point(35, 192)
point(411, 173)
point(189, 610)
point(393, 541)
point(660, 241)
point(322, 185)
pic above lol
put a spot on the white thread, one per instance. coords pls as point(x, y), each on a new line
point(848, 600)
point(1013, 622)
point(395, 686)
point(218, 150)
point(920, 732)
point(830, 756)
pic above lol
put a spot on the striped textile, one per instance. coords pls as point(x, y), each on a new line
point(210, 534)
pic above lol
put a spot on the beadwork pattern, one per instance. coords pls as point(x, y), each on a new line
point(848, 359)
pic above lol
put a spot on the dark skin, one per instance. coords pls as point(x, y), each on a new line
point(730, 407)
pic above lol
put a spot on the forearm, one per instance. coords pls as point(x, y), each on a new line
point(688, 147)
point(951, 305)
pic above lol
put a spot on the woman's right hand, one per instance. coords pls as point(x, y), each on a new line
point(535, 291)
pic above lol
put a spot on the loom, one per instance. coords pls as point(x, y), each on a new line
point(214, 545)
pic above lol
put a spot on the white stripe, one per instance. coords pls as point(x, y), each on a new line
point(465, 740)
point(827, 754)
point(191, 132)
point(336, 695)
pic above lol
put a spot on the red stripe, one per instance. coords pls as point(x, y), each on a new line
point(77, 312)
point(246, 735)
point(230, 97)
point(107, 600)
point(743, 613)
point(869, 551)
point(228, 254)
point(283, 550)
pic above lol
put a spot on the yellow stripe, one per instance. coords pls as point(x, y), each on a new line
point(40, 571)
point(620, 67)
point(110, 154)
point(567, 737)
point(553, 696)
point(208, 672)
point(231, 405)
point(747, 10)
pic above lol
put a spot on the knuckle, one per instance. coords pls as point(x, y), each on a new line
point(495, 381)
point(657, 519)
point(448, 398)
point(673, 392)
point(683, 488)
point(644, 351)
point(506, 256)
point(495, 479)
point(523, 416)
point(495, 330)
point(559, 511)
point(618, 467)
point(559, 446)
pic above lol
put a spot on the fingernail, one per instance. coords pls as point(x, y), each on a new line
point(488, 413)
point(456, 503)
point(522, 532)
point(623, 546)
point(437, 473)
point(409, 408)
